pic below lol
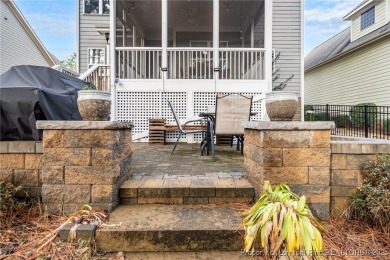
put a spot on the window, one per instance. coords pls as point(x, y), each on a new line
point(96, 56)
point(367, 18)
point(97, 6)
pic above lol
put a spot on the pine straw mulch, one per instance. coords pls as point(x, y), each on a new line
point(29, 234)
point(33, 235)
point(353, 239)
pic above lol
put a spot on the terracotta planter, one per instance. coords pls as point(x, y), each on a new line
point(94, 105)
point(281, 105)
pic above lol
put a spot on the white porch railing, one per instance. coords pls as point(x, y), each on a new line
point(239, 63)
point(66, 71)
point(99, 75)
point(190, 63)
point(138, 62)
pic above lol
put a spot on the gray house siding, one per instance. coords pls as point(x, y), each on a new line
point(16, 46)
point(360, 76)
point(286, 39)
point(89, 37)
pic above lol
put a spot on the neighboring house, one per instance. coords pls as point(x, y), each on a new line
point(353, 66)
point(19, 45)
point(186, 51)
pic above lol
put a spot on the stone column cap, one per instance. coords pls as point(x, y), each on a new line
point(289, 126)
point(83, 125)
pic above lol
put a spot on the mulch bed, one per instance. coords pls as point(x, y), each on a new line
point(31, 235)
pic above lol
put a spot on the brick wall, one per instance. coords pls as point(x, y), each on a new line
point(348, 155)
point(20, 164)
point(326, 172)
point(294, 152)
point(84, 162)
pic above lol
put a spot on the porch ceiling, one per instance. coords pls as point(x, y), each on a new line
point(194, 15)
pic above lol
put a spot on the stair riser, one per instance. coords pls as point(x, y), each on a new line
point(186, 196)
point(169, 241)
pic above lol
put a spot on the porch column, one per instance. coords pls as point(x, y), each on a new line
point(268, 42)
point(216, 35)
point(112, 56)
point(164, 34)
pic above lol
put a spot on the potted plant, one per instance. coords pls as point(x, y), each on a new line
point(281, 105)
point(93, 104)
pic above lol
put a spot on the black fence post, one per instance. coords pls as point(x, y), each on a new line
point(366, 121)
point(327, 113)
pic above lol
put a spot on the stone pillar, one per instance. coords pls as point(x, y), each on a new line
point(294, 152)
point(84, 162)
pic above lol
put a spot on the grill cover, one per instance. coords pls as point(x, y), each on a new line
point(30, 93)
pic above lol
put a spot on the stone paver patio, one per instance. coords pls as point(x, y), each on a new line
point(153, 161)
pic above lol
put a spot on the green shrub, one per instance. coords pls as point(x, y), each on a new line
point(358, 117)
point(321, 116)
point(281, 222)
point(309, 113)
point(8, 202)
point(386, 126)
point(371, 202)
point(308, 107)
point(341, 121)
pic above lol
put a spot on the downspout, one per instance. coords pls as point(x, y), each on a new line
point(268, 51)
point(302, 90)
point(112, 58)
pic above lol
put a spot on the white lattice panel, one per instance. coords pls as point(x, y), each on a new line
point(138, 107)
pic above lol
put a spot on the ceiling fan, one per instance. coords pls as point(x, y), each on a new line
point(189, 16)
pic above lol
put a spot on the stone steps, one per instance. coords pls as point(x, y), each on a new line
point(172, 228)
point(186, 191)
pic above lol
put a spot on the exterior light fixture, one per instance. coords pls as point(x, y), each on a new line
point(107, 37)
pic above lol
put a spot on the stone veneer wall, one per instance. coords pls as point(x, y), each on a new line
point(84, 162)
point(348, 155)
point(20, 164)
point(293, 152)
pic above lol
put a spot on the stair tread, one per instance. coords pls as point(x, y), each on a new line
point(171, 228)
point(157, 217)
point(181, 183)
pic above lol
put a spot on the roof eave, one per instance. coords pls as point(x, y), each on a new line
point(30, 32)
point(353, 12)
point(348, 51)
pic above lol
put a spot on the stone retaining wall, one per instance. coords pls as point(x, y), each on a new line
point(294, 152)
point(84, 162)
point(302, 154)
point(20, 164)
point(348, 155)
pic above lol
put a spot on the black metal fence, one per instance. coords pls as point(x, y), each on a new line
point(368, 121)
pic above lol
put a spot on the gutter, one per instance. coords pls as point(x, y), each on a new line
point(349, 51)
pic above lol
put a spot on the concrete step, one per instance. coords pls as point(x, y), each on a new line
point(172, 228)
point(203, 191)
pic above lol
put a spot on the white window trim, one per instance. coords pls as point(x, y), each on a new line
point(100, 8)
point(88, 59)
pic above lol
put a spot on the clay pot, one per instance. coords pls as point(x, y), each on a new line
point(281, 105)
point(94, 105)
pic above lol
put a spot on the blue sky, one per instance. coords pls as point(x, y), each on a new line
point(54, 21)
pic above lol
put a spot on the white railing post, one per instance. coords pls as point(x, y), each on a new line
point(216, 39)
